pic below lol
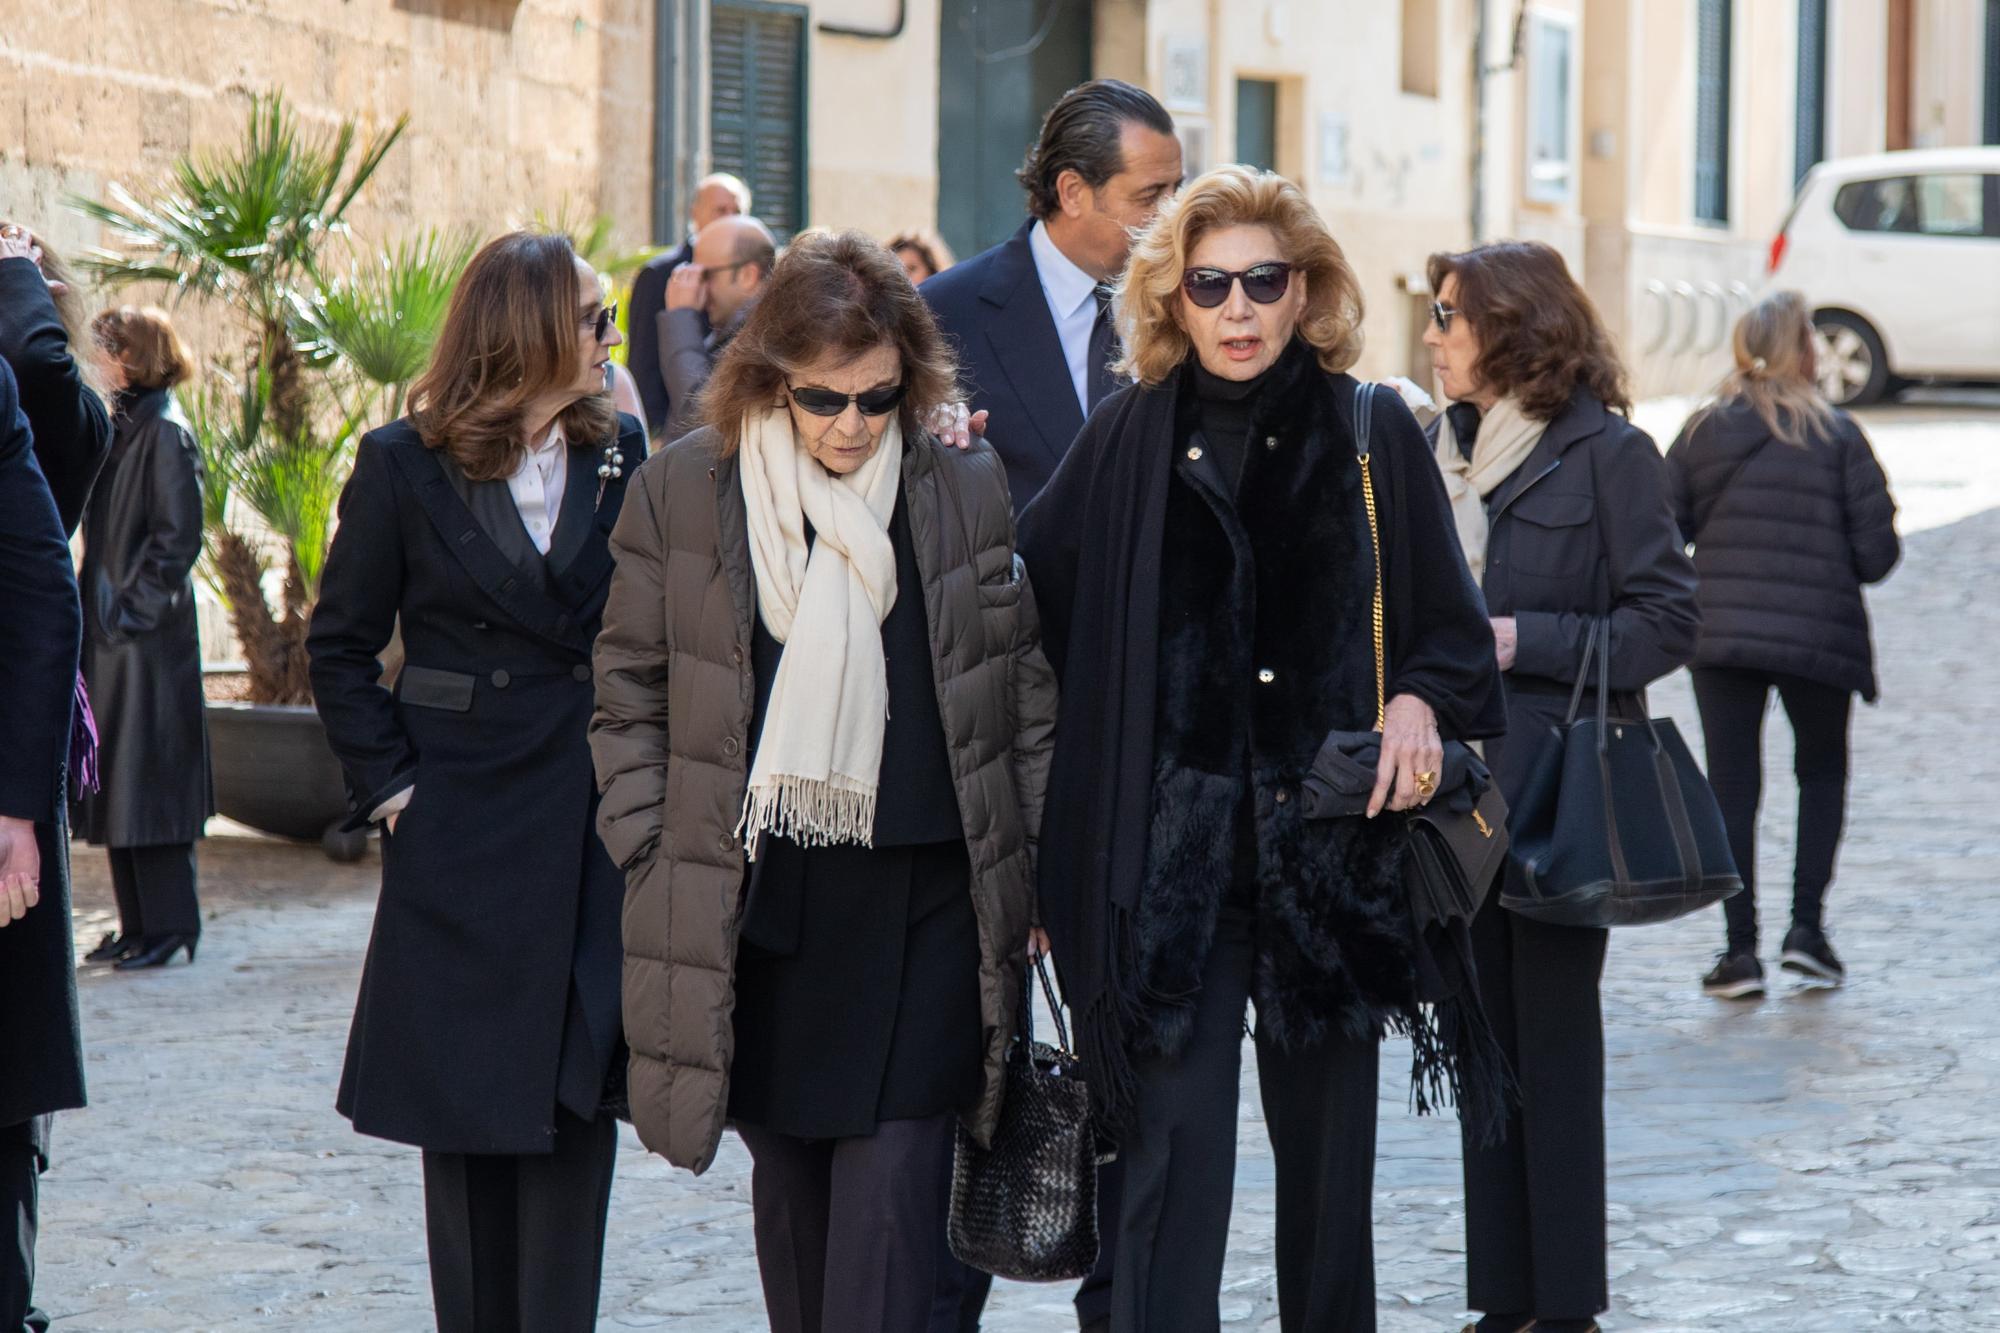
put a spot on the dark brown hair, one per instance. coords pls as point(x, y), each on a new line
point(509, 338)
point(930, 248)
point(1540, 338)
point(1084, 132)
point(143, 340)
point(831, 294)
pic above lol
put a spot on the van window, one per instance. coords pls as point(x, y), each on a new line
point(1935, 205)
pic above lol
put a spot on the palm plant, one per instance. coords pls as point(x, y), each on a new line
point(247, 230)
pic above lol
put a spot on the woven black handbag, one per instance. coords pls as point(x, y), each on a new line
point(1026, 1208)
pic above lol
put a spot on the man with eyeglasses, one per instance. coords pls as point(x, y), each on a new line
point(707, 301)
point(716, 195)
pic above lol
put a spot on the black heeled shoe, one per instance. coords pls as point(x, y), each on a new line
point(157, 951)
point(112, 947)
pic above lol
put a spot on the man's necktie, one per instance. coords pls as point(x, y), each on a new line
point(1099, 381)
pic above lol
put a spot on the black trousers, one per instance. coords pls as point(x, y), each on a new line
point(517, 1242)
point(23, 1158)
point(1534, 1204)
point(850, 1232)
point(155, 889)
point(1180, 1168)
point(1732, 705)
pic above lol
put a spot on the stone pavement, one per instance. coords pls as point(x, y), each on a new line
point(1817, 1161)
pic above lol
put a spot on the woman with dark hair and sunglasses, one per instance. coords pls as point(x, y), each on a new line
point(487, 1027)
point(823, 724)
point(1205, 560)
point(1562, 510)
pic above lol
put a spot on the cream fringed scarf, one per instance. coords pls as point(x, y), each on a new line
point(818, 763)
point(1507, 436)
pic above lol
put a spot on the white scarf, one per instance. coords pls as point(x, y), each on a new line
point(1507, 435)
point(820, 758)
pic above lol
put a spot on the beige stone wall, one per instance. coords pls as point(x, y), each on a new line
point(514, 105)
point(1947, 85)
point(873, 130)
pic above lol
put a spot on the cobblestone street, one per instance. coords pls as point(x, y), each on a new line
point(1819, 1161)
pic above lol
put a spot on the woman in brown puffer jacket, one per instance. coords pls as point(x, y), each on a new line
point(822, 731)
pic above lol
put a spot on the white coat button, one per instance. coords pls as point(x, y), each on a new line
point(1266, 676)
point(1194, 454)
point(1270, 442)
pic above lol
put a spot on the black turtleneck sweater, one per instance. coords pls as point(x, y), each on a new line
point(1223, 410)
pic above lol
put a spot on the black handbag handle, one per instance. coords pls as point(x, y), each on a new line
point(1025, 1016)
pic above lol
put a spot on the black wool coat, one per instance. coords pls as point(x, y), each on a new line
point(1201, 650)
point(141, 654)
point(497, 896)
point(1784, 538)
point(41, 1059)
point(1582, 531)
point(72, 430)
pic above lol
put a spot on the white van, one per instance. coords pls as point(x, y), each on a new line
point(1899, 257)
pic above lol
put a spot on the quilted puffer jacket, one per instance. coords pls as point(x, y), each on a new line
point(671, 741)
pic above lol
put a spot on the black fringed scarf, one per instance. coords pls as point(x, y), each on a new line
point(1093, 544)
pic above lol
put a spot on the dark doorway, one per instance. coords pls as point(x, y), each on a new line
point(1001, 65)
point(1257, 123)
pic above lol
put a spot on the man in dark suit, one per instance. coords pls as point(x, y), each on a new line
point(41, 1063)
point(1032, 323)
point(719, 195)
point(1031, 316)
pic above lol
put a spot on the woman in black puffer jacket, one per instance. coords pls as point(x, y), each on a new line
point(1789, 514)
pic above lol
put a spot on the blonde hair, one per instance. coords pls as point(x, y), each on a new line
point(144, 342)
point(1773, 345)
point(1149, 293)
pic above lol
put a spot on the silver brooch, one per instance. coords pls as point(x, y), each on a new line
point(612, 466)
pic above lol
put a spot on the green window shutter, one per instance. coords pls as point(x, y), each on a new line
point(757, 103)
point(1711, 126)
point(1809, 141)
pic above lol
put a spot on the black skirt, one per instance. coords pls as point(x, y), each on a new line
point(857, 989)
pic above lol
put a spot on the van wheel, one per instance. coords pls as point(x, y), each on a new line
point(1853, 370)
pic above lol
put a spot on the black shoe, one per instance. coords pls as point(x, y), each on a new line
point(1735, 976)
point(157, 951)
point(1502, 1323)
point(1808, 953)
point(112, 947)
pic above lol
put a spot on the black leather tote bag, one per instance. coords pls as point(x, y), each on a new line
point(1616, 826)
point(1026, 1208)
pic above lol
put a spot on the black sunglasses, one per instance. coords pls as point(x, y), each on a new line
point(1262, 283)
point(1441, 315)
point(830, 403)
point(601, 322)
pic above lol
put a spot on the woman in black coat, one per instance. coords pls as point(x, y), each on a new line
point(487, 1028)
point(1789, 515)
point(1204, 561)
point(1561, 509)
point(141, 655)
point(41, 321)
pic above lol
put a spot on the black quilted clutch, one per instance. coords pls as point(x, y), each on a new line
point(1026, 1208)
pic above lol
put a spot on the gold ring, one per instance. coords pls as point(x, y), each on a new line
point(1426, 783)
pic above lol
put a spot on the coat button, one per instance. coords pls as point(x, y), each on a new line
point(579, 672)
point(500, 680)
point(1270, 442)
point(1266, 676)
point(730, 746)
point(736, 656)
point(726, 842)
point(1194, 454)
point(1282, 797)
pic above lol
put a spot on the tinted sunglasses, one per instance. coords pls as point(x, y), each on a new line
point(830, 403)
point(1262, 283)
point(601, 322)
point(1441, 315)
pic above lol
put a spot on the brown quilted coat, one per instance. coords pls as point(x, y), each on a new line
point(670, 740)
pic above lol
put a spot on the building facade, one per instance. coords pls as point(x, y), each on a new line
point(1657, 143)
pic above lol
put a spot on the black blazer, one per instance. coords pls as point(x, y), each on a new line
point(1784, 538)
point(496, 892)
point(642, 353)
point(41, 627)
point(992, 308)
point(72, 430)
point(1583, 530)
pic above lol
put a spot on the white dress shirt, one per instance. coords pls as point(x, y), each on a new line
point(1072, 298)
point(537, 487)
